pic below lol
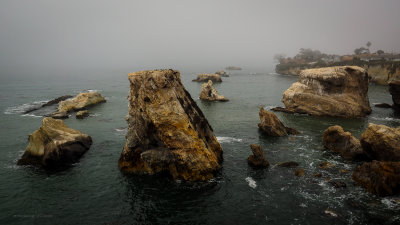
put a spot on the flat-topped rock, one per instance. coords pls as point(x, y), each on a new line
point(208, 93)
point(208, 76)
point(81, 101)
point(340, 91)
point(272, 126)
point(55, 145)
point(167, 131)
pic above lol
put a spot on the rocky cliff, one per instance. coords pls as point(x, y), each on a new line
point(167, 132)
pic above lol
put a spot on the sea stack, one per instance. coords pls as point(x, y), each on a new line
point(208, 93)
point(167, 132)
point(257, 159)
point(55, 145)
point(340, 91)
point(208, 76)
point(394, 89)
point(272, 126)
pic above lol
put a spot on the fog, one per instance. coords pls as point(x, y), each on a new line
point(187, 35)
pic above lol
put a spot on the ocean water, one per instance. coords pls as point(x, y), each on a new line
point(94, 191)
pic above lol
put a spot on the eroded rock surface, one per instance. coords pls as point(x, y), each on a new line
point(394, 89)
point(208, 76)
point(272, 126)
point(331, 91)
point(257, 159)
point(208, 93)
point(167, 132)
point(82, 114)
point(81, 101)
point(381, 142)
point(335, 139)
point(55, 145)
point(379, 178)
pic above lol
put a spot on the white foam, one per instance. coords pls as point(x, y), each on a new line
point(121, 129)
point(32, 115)
point(252, 183)
point(391, 203)
point(386, 119)
point(228, 139)
point(24, 107)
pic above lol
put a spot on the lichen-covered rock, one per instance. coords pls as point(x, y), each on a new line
point(379, 178)
point(394, 89)
point(208, 93)
point(167, 132)
point(335, 139)
point(222, 73)
point(331, 91)
point(82, 114)
point(257, 159)
point(80, 101)
point(272, 126)
point(55, 145)
point(208, 76)
point(382, 143)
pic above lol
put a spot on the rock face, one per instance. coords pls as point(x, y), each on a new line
point(167, 132)
point(55, 145)
point(379, 178)
point(394, 89)
point(335, 139)
point(208, 93)
point(258, 159)
point(331, 91)
point(222, 73)
point(81, 101)
point(82, 114)
point(272, 126)
point(206, 77)
point(381, 143)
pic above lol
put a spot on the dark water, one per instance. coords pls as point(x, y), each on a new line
point(94, 191)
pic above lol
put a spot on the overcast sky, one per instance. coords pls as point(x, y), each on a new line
point(183, 34)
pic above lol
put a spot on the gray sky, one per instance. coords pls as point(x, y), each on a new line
point(187, 34)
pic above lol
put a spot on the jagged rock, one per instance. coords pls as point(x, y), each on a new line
point(167, 132)
point(337, 183)
point(394, 89)
point(49, 103)
point(382, 143)
point(272, 126)
point(290, 164)
point(258, 159)
point(299, 172)
point(383, 105)
point(82, 114)
point(81, 101)
point(233, 68)
point(331, 91)
point(55, 145)
point(335, 139)
point(326, 165)
point(379, 178)
point(208, 93)
point(208, 76)
point(280, 109)
point(222, 73)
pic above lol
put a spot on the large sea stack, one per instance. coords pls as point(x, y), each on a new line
point(208, 93)
point(55, 145)
point(340, 91)
point(167, 132)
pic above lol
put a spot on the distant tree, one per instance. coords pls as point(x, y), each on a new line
point(361, 50)
point(380, 52)
point(279, 57)
point(368, 44)
point(309, 54)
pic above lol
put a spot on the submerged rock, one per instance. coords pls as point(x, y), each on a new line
point(81, 101)
point(82, 114)
point(383, 105)
point(49, 103)
point(233, 68)
point(335, 139)
point(289, 164)
point(299, 172)
point(258, 159)
point(272, 126)
point(337, 183)
point(208, 93)
point(381, 142)
point(55, 145)
point(379, 178)
point(394, 89)
point(167, 132)
point(208, 76)
point(331, 91)
point(222, 73)
point(326, 165)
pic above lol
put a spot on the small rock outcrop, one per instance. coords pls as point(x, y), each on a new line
point(233, 68)
point(82, 114)
point(167, 131)
point(208, 76)
point(335, 139)
point(258, 159)
point(208, 93)
point(55, 145)
point(272, 126)
point(49, 103)
point(222, 73)
point(394, 89)
point(299, 172)
point(331, 91)
point(382, 143)
point(379, 178)
point(81, 101)
point(289, 164)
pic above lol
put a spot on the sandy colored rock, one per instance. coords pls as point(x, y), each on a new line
point(167, 132)
point(222, 73)
point(82, 114)
point(257, 159)
point(208, 76)
point(54, 145)
point(379, 178)
point(335, 139)
point(394, 89)
point(381, 142)
point(208, 93)
point(272, 126)
point(80, 101)
point(331, 91)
